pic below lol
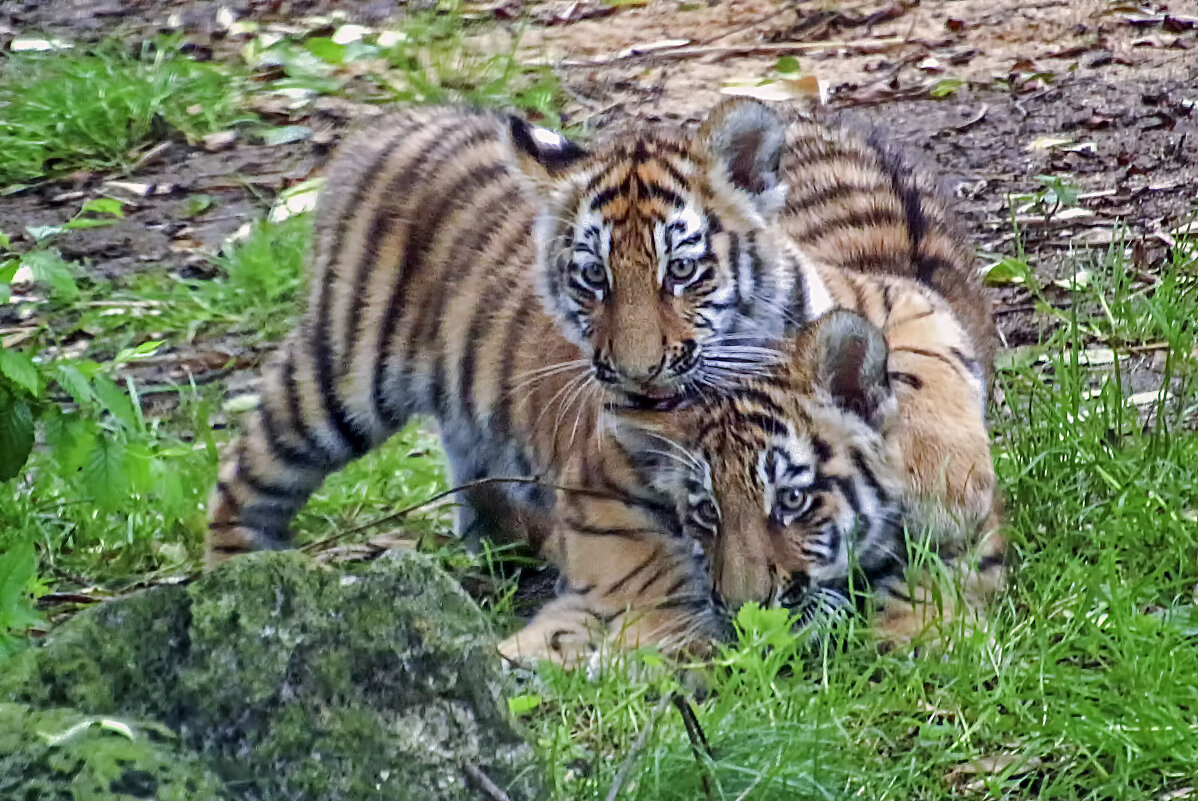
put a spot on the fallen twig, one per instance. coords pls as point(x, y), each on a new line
point(482, 782)
point(469, 485)
point(724, 51)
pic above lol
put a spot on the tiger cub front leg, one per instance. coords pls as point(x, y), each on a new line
point(629, 585)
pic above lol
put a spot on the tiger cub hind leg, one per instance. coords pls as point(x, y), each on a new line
point(942, 596)
point(287, 446)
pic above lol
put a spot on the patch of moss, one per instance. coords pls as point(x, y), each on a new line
point(297, 681)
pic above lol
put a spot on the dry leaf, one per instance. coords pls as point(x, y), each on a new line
point(784, 88)
point(221, 140)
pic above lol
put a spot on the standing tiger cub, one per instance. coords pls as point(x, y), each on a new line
point(499, 278)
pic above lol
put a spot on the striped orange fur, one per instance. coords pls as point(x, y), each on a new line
point(444, 284)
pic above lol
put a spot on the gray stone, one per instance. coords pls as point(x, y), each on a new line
point(292, 680)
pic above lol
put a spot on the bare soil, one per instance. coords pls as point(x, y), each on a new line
point(1103, 92)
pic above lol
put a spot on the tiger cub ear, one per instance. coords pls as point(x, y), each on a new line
point(543, 155)
point(850, 357)
point(745, 138)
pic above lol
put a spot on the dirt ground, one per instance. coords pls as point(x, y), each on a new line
point(1103, 92)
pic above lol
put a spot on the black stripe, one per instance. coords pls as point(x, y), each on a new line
point(908, 194)
point(262, 487)
point(662, 193)
point(849, 490)
point(887, 303)
point(383, 214)
point(851, 219)
point(676, 586)
point(970, 364)
point(749, 393)
point(858, 296)
point(763, 422)
point(227, 496)
point(295, 409)
point(825, 195)
point(868, 475)
point(501, 417)
point(991, 561)
point(619, 533)
point(927, 266)
point(823, 451)
point(401, 188)
point(921, 352)
point(630, 575)
point(323, 369)
point(910, 379)
point(482, 322)
point(674, 173)
point(649, 582)
point(421, 236)
point(608, 194)
point(283, 450)
point(799, 306)
point(734, 264)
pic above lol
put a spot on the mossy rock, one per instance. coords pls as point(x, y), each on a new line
point(62, 755)
point(297, 681)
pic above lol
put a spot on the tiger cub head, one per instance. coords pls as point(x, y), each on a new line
point(788, 482)
point(656, 251)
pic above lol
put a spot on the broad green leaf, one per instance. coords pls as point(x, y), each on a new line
point(70, 438)
point(20, 369)
point(116, 402)
point(76, 384)
point(787, 64)
point(946, 87)
point(49, 268)
point(104, 205)
point(106, 472)
point(5, 242)
point(16, 434)
point(523, 704)
point(142, 351)
point(18, 572)
point(326, 49)
point(87, 222)
point(139, 472)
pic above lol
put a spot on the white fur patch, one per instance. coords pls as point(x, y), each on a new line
point(547, 138)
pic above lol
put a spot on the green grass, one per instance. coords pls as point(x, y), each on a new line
point(1085, 691)
point(96, 110)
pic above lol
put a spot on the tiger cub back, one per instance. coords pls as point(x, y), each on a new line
point(886, 244)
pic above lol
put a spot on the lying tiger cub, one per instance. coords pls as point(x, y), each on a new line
point(796, 488)
point(870, 428)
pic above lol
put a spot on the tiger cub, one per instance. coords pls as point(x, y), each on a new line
point(444, 283)
point(798, 486)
